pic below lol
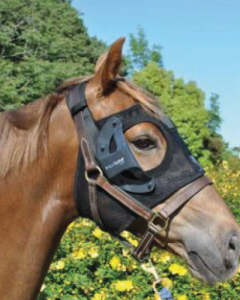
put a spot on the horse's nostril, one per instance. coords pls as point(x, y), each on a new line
point(232, 255)
point(233, 243)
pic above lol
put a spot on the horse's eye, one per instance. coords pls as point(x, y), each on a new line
point(144, 143)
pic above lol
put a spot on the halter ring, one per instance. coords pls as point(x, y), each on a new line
point(92, 175)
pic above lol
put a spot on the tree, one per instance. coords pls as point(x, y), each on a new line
point(140, 54)
point(236, 151)
point(214, 142)
point(42, 42)
point(214, 114)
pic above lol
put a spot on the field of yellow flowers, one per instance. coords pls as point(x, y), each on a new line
point(90, 265)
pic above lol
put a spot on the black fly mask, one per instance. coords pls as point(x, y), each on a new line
point(121, 169)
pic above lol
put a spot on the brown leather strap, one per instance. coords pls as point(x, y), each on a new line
point(93, 201)
point(90, 164)
point(145, 245)
point(176, 201)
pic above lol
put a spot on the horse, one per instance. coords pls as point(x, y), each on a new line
point(39, 148)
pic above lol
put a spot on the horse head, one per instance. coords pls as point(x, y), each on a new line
point(203, 231)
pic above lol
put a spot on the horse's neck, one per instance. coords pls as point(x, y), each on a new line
point(36, 206)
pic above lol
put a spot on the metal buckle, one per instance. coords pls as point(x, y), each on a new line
point(92, 174)
point(142, 251)
point(157, 228)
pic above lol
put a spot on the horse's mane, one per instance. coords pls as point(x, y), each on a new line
point(24, 131)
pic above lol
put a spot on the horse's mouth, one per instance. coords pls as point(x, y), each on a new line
point(201, 270)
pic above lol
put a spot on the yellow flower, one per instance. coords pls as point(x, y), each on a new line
point(123, 285)
point(206, 296)
point(97, 233)
point(182, 271)
point(85, 222)
point(156, 297)
point(80, 254)
point(98, 296)
point(59, 265)
point(182, 297)
point(93, 252)
point(225, 285)
point(177, 269)
point(133, 242)
point(70, 226)
point(115, 262)
point(165, 257)
point(125, 234)
point(224, 163)
point(125, 252)
point(167, 283)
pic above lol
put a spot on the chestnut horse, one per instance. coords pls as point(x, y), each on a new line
point(39, 148)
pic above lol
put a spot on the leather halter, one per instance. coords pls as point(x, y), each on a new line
point(157, 222)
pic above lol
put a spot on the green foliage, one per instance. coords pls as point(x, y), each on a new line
point(140, 54)
point(236, 151)
point(214, 114)
point(226, 176)
point(184, 102)
point(42, 42)
point(233, 158)
point(89, 264)
point(214, 141)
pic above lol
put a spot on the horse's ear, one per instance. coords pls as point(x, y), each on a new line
point(108, 65)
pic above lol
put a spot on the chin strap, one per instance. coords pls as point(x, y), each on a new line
point(157, 222)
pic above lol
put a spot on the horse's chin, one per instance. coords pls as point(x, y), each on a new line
point(200, 270)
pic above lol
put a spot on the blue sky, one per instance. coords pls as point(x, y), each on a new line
point(200, 40)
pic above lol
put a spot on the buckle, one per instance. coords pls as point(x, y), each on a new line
point(157, 224)
point(92, 174)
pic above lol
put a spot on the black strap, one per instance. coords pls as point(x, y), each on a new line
point(78, 92)
point(77, 103)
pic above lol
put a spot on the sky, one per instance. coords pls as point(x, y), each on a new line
point(200, 40)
